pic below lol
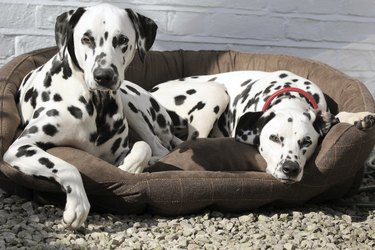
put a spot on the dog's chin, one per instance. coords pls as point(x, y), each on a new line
point(286, 180)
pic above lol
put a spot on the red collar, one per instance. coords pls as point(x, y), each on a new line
point(283, 90)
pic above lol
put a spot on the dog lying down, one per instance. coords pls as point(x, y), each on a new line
point(281, 113)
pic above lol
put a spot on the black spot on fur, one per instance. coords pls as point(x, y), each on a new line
point(45, 145)
point(216, 109)
point(31, 95)
point(316, 98)
point(132, 107)
point(191, 91)
point(99, 57)
point(68, 189)
point(88, 105)
point(307, 114)
point(307, 83)
point(114, 42)
point(116, 145)
point(290, 119)
point(47, 80)
point(90, 108)
point(198, 106)
point(161, 121)
point(52, 112)
point(45, 96)
point(37, 112)
point(33, 130)
point(283, 75)
point(154, 89)
point(46, 162)
point(101, 41)
point(268, 89)
point(135, 91)
point(176, 119)
point(57, 98)
point(75, 112)
point(124, 49)
point(154, 104)
point(245, 82)
point(63, 65)
point(49, 129)
point(180, 99)
point(212, 79)
point(106, 35)
point(25, 151)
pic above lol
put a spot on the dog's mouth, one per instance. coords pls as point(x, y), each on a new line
point(94, 86)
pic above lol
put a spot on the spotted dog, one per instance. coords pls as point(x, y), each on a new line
point(187, 119)
point(79, 99)
point(281, 113)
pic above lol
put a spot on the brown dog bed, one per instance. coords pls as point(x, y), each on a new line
point(207, 173)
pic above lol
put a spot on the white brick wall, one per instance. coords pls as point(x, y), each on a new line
point(338, 32)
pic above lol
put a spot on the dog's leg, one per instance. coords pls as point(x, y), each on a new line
point(31, 160)
point(362, 120)
point(137, 159)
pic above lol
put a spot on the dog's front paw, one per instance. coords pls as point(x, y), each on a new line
point(76, 209)
point(366, 122)
point(138, 158)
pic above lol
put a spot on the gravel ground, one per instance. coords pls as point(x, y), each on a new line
point(26, 225)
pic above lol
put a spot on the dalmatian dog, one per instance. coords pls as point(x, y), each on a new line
point(79, 98)
point(188, 112)
point(281, 113)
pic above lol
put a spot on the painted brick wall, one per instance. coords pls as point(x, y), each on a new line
point(338, 32)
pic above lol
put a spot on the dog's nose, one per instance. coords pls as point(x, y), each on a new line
point(104, 77)
point(290, 169)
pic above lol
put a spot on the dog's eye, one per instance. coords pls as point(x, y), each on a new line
point(275, 138)
point(86, 40)
point(123, 40)
point(306, 142)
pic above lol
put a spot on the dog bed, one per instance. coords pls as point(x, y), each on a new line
point(219, 174)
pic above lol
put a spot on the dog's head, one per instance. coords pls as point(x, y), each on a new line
point(286, 139)
point(102, 41)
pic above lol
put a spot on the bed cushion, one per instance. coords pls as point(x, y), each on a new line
point(218, 173)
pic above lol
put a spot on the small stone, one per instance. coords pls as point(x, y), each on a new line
point(34, 218)
point(193, 247)
point(347, 218)
point(244, 218)
point(289, 246)
point(262, 218)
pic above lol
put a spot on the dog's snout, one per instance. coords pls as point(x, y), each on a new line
point(104, 77)
point(291, 169)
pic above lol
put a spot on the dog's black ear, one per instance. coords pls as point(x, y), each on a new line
point(145, 29)
point(324, 121)
point(250, 125)
point(64, 29)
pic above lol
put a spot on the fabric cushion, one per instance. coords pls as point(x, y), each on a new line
point(204, 173)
